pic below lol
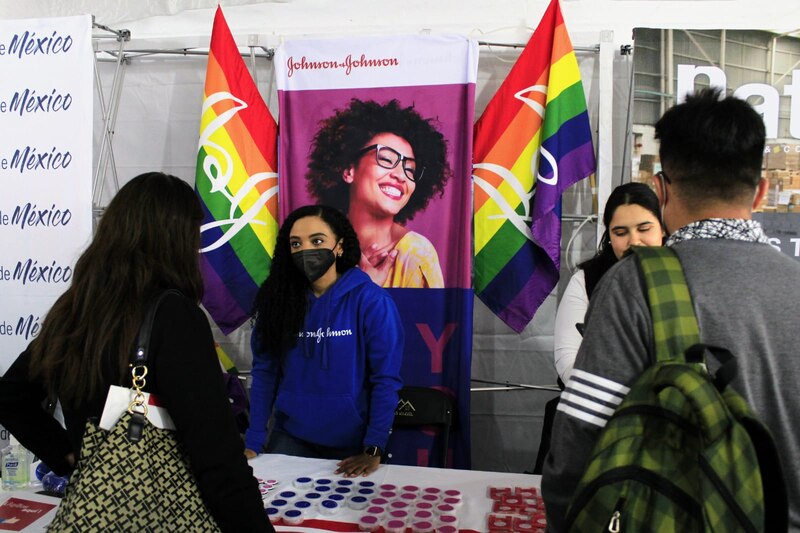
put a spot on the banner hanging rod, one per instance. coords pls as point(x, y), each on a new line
point(119, 35)
point(269, 53)
point(266, 53)
point(505, 385)
point(594, 49)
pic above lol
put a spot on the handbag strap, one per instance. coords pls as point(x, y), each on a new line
point(142, 352)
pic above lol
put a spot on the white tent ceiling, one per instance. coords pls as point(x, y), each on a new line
point(159, 22)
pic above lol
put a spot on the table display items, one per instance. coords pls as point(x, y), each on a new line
point(380, 508)
point(15, 466)
point(516, 510)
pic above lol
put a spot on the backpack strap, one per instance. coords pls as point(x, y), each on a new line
point(674, 322)
point(677, 338)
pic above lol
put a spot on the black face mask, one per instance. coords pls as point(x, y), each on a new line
point(314, 263)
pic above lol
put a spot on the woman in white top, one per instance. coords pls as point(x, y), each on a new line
point(632, 218)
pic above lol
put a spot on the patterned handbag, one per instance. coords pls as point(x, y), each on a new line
point(135, 476)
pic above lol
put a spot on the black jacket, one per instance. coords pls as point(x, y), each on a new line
point(186, 375)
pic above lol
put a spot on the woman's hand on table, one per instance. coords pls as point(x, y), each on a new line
point(358, 465)
point(250, 454)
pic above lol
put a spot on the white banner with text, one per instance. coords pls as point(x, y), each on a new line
point(46, 99)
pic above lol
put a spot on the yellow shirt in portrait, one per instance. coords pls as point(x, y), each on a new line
point(416, 264)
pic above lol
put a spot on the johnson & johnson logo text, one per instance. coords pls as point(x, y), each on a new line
point(347, 65)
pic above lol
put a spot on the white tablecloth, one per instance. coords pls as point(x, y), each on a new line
point(472, 484)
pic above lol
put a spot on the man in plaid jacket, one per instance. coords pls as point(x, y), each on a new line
point(745, 293)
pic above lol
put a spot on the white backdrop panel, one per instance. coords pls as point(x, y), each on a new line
point(45, 168)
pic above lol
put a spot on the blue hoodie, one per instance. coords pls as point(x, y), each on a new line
point(339, 383)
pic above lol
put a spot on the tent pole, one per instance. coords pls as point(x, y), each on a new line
point(115, 100)
point(253, 65)
point(505, 385)
point(108, 115)
point(605, 119)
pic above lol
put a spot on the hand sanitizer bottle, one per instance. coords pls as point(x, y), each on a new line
point(16, 470)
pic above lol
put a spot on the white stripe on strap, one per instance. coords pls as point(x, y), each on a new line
point(591, 398)
point(586, 417)
point(595, 393)
point(607, 384)
point(588, 405)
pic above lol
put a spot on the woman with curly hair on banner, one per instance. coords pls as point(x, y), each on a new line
point(382, 164)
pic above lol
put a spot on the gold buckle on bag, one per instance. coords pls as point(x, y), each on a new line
point(138, 404)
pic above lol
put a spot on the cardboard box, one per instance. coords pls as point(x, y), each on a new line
point(782, 156)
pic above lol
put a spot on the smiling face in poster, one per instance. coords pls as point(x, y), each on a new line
point(383, 164)
point(383, 179)
point(326, 130)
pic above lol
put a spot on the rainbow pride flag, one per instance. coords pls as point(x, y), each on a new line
point(237, 182)
point(532, 142)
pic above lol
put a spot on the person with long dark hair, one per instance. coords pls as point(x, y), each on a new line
point(327, 349)
point(382, 164)
point(146, 242)
point(632, 218)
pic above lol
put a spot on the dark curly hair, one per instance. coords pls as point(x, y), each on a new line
point(341, 137)
point(280, 304)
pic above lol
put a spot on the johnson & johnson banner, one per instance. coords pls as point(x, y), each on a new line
point(407, 103)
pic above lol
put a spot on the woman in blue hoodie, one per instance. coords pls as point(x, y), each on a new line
point(327, 349)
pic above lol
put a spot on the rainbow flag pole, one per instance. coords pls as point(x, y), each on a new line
point(237, 182)
point(532, 142)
